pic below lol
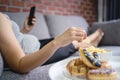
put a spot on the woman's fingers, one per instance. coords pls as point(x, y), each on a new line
point(73, 33)
point(82, 32)
point(33, 21)
point(78, 33)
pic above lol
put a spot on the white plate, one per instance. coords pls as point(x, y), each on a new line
point(58, 70)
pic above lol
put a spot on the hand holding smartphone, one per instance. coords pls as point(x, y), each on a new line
point(31, 15)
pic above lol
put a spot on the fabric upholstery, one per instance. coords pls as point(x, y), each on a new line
point(58, 24)
point(39, 73)
point(111, 31)
point(40, 30)
point(1, 64)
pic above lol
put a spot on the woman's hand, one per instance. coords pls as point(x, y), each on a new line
point(73, 33)
point(27, 28)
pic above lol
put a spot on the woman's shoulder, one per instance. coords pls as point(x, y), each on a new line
point(5, 15)
point(4, 22)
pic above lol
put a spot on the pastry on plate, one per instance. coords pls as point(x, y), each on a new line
point(76, 67)
point(102, 74)
point(92, 59)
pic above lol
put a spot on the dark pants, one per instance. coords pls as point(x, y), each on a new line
point(61, 53)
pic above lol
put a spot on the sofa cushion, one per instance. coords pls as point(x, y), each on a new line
point(1, 64)
point(58, 24)
point(111, 31)
point(40, 30)
point(39, 73)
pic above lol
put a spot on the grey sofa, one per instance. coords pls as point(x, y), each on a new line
point(48, 26)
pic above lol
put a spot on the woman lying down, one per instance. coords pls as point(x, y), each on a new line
point(19, 48)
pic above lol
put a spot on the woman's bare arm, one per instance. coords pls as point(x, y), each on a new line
point(13, 53)
point(15, 56)
point(8, 44)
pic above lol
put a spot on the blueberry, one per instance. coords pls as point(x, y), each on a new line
point(98, 63)
point(86, 52)
point(96, 55)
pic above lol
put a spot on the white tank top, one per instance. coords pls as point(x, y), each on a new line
point(29, 43)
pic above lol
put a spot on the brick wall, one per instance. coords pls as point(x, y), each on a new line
point(85, 8)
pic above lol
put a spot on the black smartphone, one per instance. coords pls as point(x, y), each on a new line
point(31, 15)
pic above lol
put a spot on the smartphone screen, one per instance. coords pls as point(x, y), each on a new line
point(31, 15)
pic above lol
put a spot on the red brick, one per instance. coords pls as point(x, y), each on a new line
point(42, 7)
point(65, 14)
point(75, 14)
point(65, 5)
point(57, 13)
point(12, 9)
point(61, 9)
point(94, 12)
point(25, 10)
point(73, 6)
point(82, 12)
point(85, 8)
point(68, 1)
point(91, 9)
point(38, 1)
point(7, 2)
point(17, 3)
point(48, 12)
point(88, 12)
point(25, 1)
point(30, 4)
point(47, 2)
point(52, 8)
point(88, 3)
point(85, 16)
point(76, 11)
point(58, 4)
point(82, 3)
point(40, 11)
point(76, 2)
point(3, 8)
point(88, 20)
point(63, 1)
point(79, 7)
point(68, 10)
point(91, 17)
